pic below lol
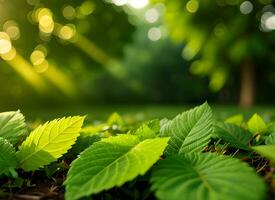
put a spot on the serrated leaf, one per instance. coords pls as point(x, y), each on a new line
point(12, 126)
point(266, 151)
point(270, 139)
point(256, 125)
point(206, 177)
point(236, 136)
point(8, 160)
point(189, 131)
point(112, 162)
point(48, 142)
point(235, 119)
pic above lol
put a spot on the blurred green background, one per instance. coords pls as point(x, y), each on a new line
point(77, 56)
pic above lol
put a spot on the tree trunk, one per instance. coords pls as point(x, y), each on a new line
point(247, 92)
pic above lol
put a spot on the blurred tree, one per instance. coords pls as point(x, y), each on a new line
point(157, 73)
point(225, 37)
point(154, 69)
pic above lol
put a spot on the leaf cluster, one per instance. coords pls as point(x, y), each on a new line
point(193, 156)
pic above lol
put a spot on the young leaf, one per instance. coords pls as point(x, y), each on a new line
point(148, 129)
point(256, 125)
point(112, 162)
point(236, 136)
point(235, 119)
point(8, 160)
point(189, 131)
point(94, 129)
point(115, 119)
point(266, 151)
point(49, 142)
point(206, 176)
point(12, 126)
point(270, 139)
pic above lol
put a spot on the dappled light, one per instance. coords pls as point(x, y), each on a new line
point(123, 99)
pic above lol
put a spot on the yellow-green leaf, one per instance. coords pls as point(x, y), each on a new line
point(235, 119)
point(112, 162)
point(267, 151)
point(48, 142)
point(256, 125)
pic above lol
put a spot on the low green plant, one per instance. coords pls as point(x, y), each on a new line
point(193, 156)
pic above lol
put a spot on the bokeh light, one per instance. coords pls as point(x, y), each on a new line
point(154, 33)
point(42, 67)
point(5, 43)
point(267, 21)
point(66, 32)
point(69, 12)
point(45, 20)
point(33, 2)
point(270, 22)
point(10, 55)
point(120, 2)
point(87, 7)
point(192, 6)
point(42, 48)
point(12, 29)
point(138, 4)
point(188, 53)
point(246, 7)
point(37, 57)
point(152, 15)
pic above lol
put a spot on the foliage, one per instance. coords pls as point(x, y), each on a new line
point(112, 162)
point(270, 139)
point(223, 37)
point(256, 125)
point(48, 142)
point(189, 131)
point(266, 150)
point(191, 156)
point(236, 119)
point(206, 176)
point(12, 126)
point(8, 160)
point(236, 136)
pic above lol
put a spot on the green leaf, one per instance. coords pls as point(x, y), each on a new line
point(48, 142)
point(266, 151)
point(235, 119)
point(148, 129)
point(112, 162)
point(256, 125)
point(12, 126)
point(270, 139)
point(94, 129)
point(189, 131)
point(271, 127)
point(206, 176)
point(236, 136)
point(81, 144)
point(8, 160)
point(115, 119)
